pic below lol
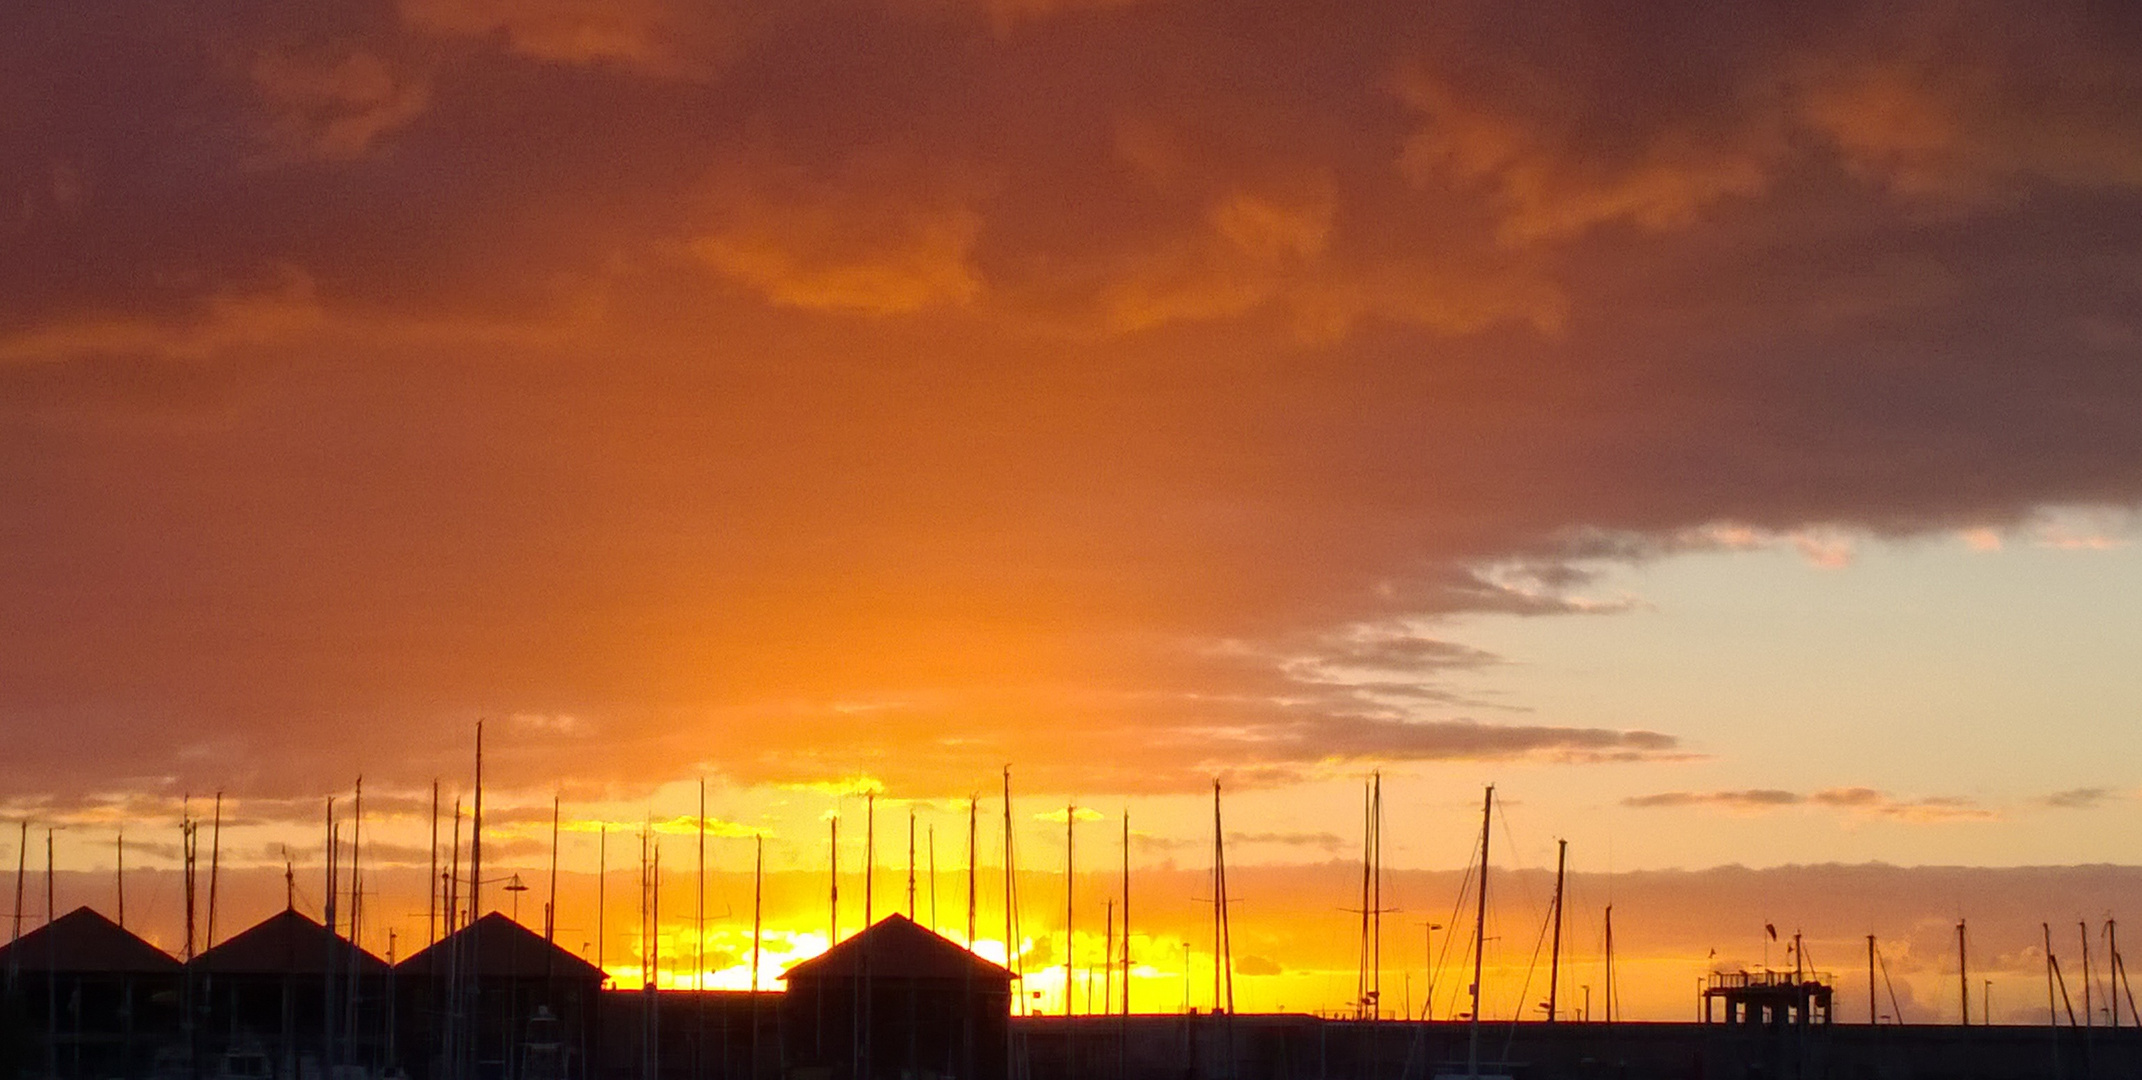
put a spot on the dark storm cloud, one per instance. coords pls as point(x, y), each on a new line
point(822, 387)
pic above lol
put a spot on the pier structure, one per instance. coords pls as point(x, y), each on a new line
point(1769, 998)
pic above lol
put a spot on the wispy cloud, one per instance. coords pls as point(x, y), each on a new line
point(2082, 798)
point(1862, 800)
point(1757, 798)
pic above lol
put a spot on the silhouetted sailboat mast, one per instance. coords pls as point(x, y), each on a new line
point(1070, 893)
point(1368, 982)
point(550, 903)
point(22, 857)
point(974, 815)
point(602, 892)
point(215, 863)
point(758, 908)
point(431, 894)
point(1223, 955)
point(352, 986)
point(1012, 951)
point(870, 858)
point(1554, 962)
point(1472, 1053)
point(330, 919)
point(699, 935)
point(2082, 930)
point(1873, 1016)
point(1126, 913)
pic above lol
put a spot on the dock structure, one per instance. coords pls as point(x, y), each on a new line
point(93, 1002)
point(1769, 998)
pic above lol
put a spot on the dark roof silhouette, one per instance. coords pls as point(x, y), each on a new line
point(500, 948)
point(896, 947)
point(83, 942)
point(287, 943)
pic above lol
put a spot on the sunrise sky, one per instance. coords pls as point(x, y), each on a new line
point(1715, 425)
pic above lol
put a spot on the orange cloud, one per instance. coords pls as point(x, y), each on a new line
point(1545, 186)
point(335, 106)
point(1965, 119)
point(877, 235)
point(636, 31)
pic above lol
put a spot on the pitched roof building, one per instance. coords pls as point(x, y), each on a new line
point(296, 988)
point(85, 997)
point(897, 946)
point(288, 943)
point(898, 1000)
point(531, 1003)
point(499, 948)
point(84, 942)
